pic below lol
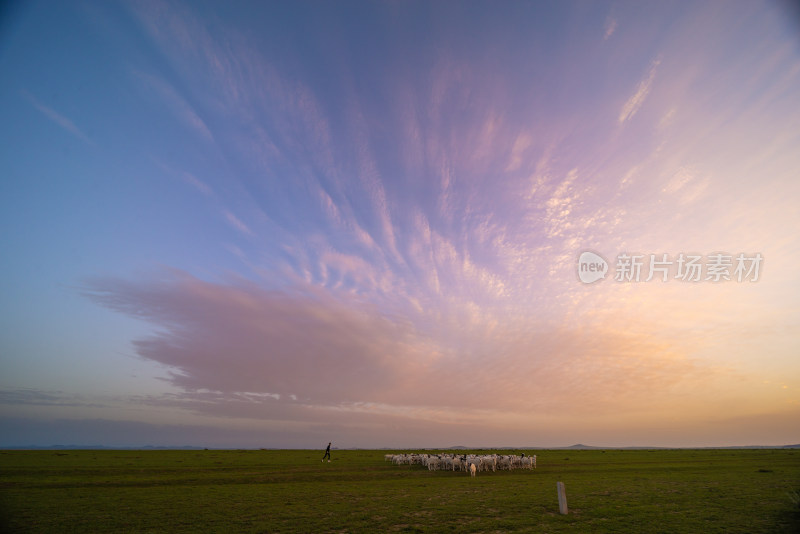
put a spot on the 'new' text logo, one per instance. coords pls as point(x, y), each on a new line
point(591, 267)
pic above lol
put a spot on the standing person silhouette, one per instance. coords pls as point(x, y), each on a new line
point(327, 453)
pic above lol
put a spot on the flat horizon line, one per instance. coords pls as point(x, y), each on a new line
point(450, 448)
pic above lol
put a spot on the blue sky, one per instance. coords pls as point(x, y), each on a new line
point(281, 224)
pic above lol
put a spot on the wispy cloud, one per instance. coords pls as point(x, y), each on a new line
point(186, 177)
point(57, 118)
point(198, 184)
point(34, 397)
point(521, 144)
point(177, 103)
point(635, 102)
point(237, 223)
point(610, 27)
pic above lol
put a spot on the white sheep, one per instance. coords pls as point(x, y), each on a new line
point(489, 462)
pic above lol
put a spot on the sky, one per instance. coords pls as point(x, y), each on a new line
point(278, 224)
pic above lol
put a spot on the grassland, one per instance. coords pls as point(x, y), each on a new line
point(670, 491)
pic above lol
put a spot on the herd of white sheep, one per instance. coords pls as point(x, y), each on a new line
point(471, 463)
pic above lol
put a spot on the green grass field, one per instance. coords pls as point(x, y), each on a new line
point(696, 491)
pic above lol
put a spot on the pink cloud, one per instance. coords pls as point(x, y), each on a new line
point(235, 338)
point(238, 348)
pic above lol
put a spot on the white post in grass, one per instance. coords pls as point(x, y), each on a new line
point(562, 499)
